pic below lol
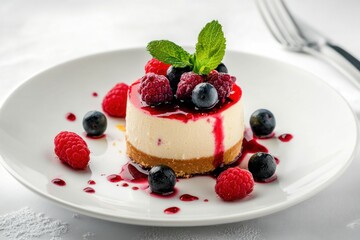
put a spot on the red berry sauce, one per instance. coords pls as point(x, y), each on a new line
point(114, 178)
point(286, 137)
point(172, 210)
point(269, 180)
point(277, 160)
point(169, 195)
point(58, 182)
point(218, 132)
point(188, 198)
point(94, 137)
point(181, 111)
point(91, 182)
point(71, 117)
point(89, 190)
point(134, 173)
point(251, 146)
point(95, 94)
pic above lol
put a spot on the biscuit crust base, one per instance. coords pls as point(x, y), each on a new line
point(182, 168)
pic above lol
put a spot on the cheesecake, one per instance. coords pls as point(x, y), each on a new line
point(189, 141)
point(187, 111)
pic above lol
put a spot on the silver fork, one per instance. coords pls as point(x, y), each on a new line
point(298, 37)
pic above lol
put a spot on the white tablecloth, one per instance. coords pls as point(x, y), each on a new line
point(38, 34)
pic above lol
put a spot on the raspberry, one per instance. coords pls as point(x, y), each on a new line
point(234, 183)
point(72, 149)
point(223, 83)
point(187, 83)
point(114, 102)
point(156, 66)
point(155, 89)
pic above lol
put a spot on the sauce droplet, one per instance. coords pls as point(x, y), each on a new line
point(89, 190)
point(58, 181)
point(71, 117)
point(285, 137)
point(114, 178)
point(188, 198)
point(91, 182)
point(172, 210)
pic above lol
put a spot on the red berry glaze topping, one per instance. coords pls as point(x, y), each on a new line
point(222, 82)
point(234, 183)
point(155, 89)
point(187, 83)
point(156, 66)
point(114, 102)
point(72, 149)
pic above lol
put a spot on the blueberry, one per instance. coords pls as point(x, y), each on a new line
point(262, 166)
point(204, 96)
point(161, 179)
point(94, 123)
point(222, 68)
point(174, 74)
point(262, 122)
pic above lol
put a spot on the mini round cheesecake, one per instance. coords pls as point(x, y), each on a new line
point(182, 137)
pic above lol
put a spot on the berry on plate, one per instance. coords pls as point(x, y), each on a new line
point(187, 83)
point(72, 149)
point(204, 96)
point(114, 102)
point(94, 123)
point(262, 166)
point(262, 123)
point(234, 183)
point(162, 179)
point(155, 89)
point(156, 66)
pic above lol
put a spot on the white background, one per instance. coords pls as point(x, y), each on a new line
point(35, 35)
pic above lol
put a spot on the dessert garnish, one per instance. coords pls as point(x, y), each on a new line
point(72, 149)
point(262, 166)
point(234, 183)
point(94, 123)
point(187, 71)
point(162, 179)
point(262, 123)
point(114, 102)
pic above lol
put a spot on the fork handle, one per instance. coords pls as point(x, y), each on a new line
point(346, 55)
point(341, 59)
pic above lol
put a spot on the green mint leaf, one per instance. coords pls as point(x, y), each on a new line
point(210, 48)
point(170, 53)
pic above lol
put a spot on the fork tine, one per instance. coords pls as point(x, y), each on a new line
point(289, 23)
point(278, 19)
point(270, 22)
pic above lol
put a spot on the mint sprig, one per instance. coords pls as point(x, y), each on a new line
point(210, 50)
point(170, 53)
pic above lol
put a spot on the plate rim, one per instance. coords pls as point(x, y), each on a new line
point(179, 222)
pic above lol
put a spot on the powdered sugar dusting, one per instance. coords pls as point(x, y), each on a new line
point(88, 236)
point(354, 224)
point(242, 231)
point(26, 224)
point(230, 231)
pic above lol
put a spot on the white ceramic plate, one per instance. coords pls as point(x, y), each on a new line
point(324, 129)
